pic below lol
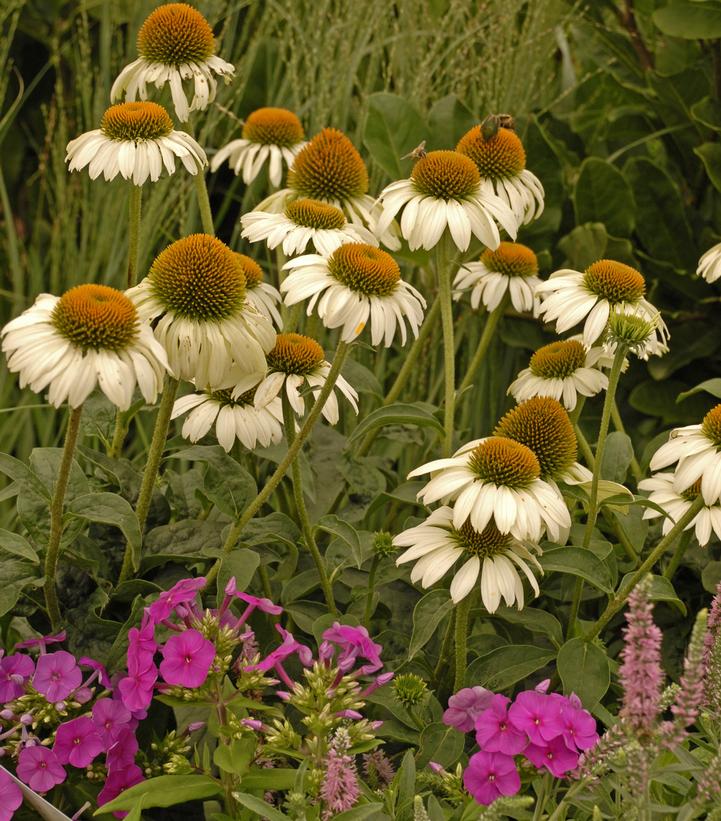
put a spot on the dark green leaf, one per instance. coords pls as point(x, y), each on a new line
point(504, 666)
point(660, 589)
point(710, 154)
point(164, 791)
point(577, 561)
point(690, 19)
point(430, 611)
point(416, 414)
point(617, 456)
point(439, 743)
point(602, 194)
point(393, 128)
point(18, 546)
point(240, 563)
point(584, 245)
point(15, 576)
point(110, 509)
point(372, 812)
point(449, 120)
point(262, 808)
point(712, 386)
point(347, 533)
point(533, 619)
point(584, 670)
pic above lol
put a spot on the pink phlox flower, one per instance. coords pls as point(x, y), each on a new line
point(15, 670)
point(39, 768)
point(377, 683)
point(110, 717)
point(554, 756)
point(57, 675)
point(136, 689)
point(465, 706)
point(494, 731)
point(275, 659)
point(352, 714)
point(542, 686)
point(256, 603)
point(340, 790)
point(41, 641)
point(141, 642)
point(187, 658)
point(117, 782)
point(10, 797)
point(354, 642)
point(537, 715)
point(491, 775)
point(181, 593)
point(78, 742)
point(121, 754)
point(579, 728)
point(99, 668)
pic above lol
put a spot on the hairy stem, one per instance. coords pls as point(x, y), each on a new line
point(201, 192)
point(371, 589)
point(462, 611)
point(445, 297)
point(484, 342)
point(136, 193)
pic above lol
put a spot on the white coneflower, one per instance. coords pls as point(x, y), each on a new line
point(271, 135)
point(298, 363)
point(330, 169)
point(304, 221)
point(569, 297)
point(437, 544)
point(642, 331)
point(709, 266)
point(135, 140)
point(511, 268)
point(501, 162)
point(676, 503)
point(91, 336)
point(562, 370)
point(444, 191)
point(261, 295)
point(213, 336)
point(496, 479)
point(234, 417)
point(697, 450)
point(175, 43)
point(358, 283)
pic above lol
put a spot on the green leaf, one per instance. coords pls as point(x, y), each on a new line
point(449, 120)
point(363, 811)
point(577, 561)
point(257, 805)
point(235, 757)
point(15, 576)
point(617, 456)
point(415, 414)
point(241, 563)
point(393, 127)
point(404, 781)
point(602, 194)
point(281, 778)
point(584, 670)
point(710, 154)
point(17, 545)
point(439, 743)
point(533, 619)
point(712, 386)
point(584, 245)
point(110, 509)
point(164, 791)
point(428, 613)
point(707, 112)
point(345, 532)
point(660, 589)
point(690, 19)
point(504, 666)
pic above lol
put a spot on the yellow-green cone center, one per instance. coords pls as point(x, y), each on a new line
point(296, 354)
point(558, 360)
point(711, 425)
point(199, 277)
point(446, 175)
point(614, 281)
point(252, 271)
point(489, 542)
point(315, 214)
point(273, 126)
point(542, 424)
point(174, 34)
point(136, 121)
point(365, 269)
point(500, 157)
point(511, 259)
point(329, 168)
point(501, 461)
point(96, 317)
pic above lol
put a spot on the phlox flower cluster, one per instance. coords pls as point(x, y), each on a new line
point(548, 730)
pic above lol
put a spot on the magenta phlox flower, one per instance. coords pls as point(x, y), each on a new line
point(354, 642)
point(579, 731)
point(15, 670)
point(554, 756)
point(110, 717)
point(537, 715)
point(78, 742)
point(39, 768)
point(494, 731)
point(10, 797)
point(256, 603)
point(491, 775)
point(136, 689)
point(118, 781)
point(183, 592)
point(377, 683)
point(465, 706)
point(57, 675)
point(41, 641)
point(275, 659)
point(102, 673)
point(141, 643)
point(187, 658)
point(122, 753)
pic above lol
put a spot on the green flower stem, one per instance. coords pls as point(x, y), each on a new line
point(619, 600)
point(678, 553)
point(150, 474)
point(463, 609)
point(484, 342)
point(119, 433)
point(56, 517)
point(136, 194)
point(279, 473)
point(265, 581)
point(201, 192)
point(445, 651)
point(618, 424)
point(584, 447)
point(575, 414)
point(302, 510)
point(445, 296)
point(371, 589)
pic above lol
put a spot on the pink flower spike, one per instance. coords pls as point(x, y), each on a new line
point(78, 742)
point(57, 675)
point(491, 775)
point(537, 715)
point(15, 670)
point(466, 706)
point(186, 659)
point(10, 797)
point(118, 781)
point(39, 768)
point(184, 591)
point(110, 718)
point(41, 641)
point(554, 756)
point(494, 731)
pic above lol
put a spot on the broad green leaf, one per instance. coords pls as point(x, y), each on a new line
point(430, 611)
point(617, 456)
point(448, 120)
point(416, 414)
point(363, 812)
point(110, 509)
point(602, 194)
point(19, 472)
point(691, 341)
point(533, 619)
point(164, 791)
point(584, 245)
point(710, 154)
point(690, 19)
point(17, 545)
point(712, 386)
point(660, 589)
point(584, 670)
point(15, 575)
point(577, 561)
point(235, 757)
point(393, 127)
point(707, 112)
point(45, 463)
point(241, 563)
point(439, 743)
point(257, 805)
point(347, 533)
point(504, 666)
point(404, 781)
